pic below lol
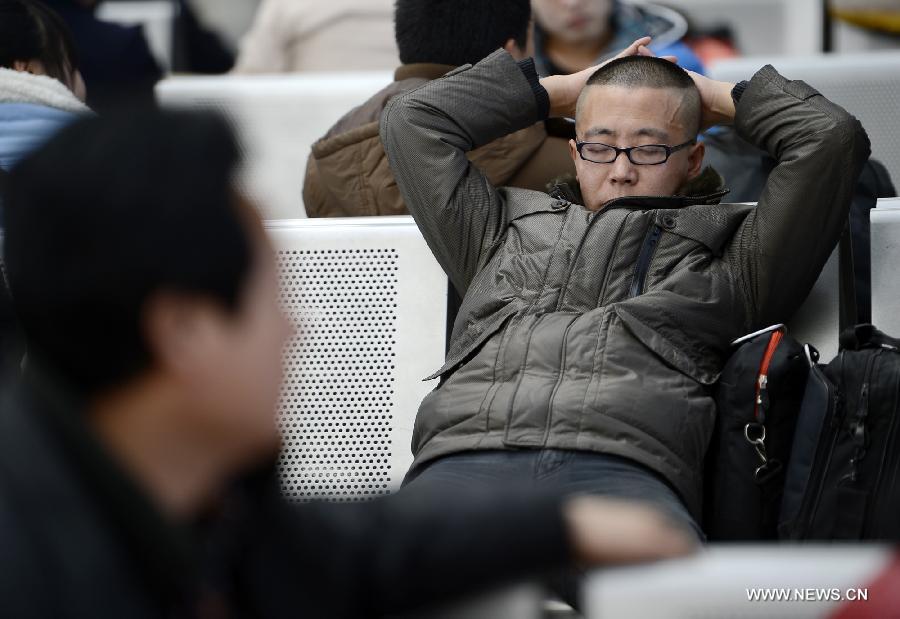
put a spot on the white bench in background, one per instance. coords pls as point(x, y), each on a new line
point(277, 118)
point(866, 84)
point(885, 226)
point(761, 26)
point(370, 306)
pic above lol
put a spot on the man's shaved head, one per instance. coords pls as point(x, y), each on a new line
point(637, 101)
point(650, 72)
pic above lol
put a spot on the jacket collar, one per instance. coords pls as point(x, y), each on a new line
point(707, 188)
point(421, 70)
point(21, 87)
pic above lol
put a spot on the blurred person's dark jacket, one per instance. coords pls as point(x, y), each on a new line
point(197, 49)
point(11, 342)
point(11, 346)
point(115, 60)
point(348, 175)
point(80, 539)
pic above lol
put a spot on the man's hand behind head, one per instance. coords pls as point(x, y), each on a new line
point(716, 101)
point(563, 90)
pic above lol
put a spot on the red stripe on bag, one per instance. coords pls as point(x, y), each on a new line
point(763, 377)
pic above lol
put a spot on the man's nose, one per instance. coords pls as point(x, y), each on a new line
point(623, 171)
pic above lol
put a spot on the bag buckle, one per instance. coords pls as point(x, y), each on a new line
point(755, 434)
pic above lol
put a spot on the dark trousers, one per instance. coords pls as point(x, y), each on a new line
point(554, 470)
point(557, 471)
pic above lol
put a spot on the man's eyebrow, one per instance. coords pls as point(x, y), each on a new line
point(658, 134)
point(594, 131)
point(653, 133)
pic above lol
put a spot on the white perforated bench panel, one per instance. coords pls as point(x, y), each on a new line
point(278, 117)
point(369, 303)
point(867, 85)
point(885, 222)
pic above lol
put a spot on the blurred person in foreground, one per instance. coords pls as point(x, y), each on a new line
point(596, 318)
point(41, 89)
point(289, 36)
point(347, 173)
point(137, 449)
point(572, 35)
point(116, 60)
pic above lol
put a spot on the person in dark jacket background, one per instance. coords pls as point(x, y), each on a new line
point(41, 88)
point(115, 60)
point(137, 449)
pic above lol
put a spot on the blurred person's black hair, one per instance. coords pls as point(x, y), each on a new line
point(130, 218)
point(30, 30)
point(457, 32)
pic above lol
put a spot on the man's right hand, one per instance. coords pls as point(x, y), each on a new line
point(607, 531)
point(563, 90)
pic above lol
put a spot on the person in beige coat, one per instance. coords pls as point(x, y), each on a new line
point(315, 35)
point(348, 174)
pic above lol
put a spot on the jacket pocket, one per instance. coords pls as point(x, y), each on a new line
point(476, 336)
point(704, 371)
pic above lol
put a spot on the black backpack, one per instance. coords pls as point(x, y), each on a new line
point(821, 437)
point(843, 481)
point(758, 398)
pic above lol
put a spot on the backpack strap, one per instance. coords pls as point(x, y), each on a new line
point(863, 336)
point(848, 316)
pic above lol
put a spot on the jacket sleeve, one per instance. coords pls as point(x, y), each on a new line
point(403, 553)
point(426, 134)
point(820, 149)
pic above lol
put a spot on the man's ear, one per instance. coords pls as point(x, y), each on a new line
point(177, 330)
point(573, 151)
point(514, 50)
point(695, 160)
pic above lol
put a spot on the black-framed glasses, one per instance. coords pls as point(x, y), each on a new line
point(648, 154)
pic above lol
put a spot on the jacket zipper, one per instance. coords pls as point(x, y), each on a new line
point(593, 217)
point(648, 248)
point(761, 404)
